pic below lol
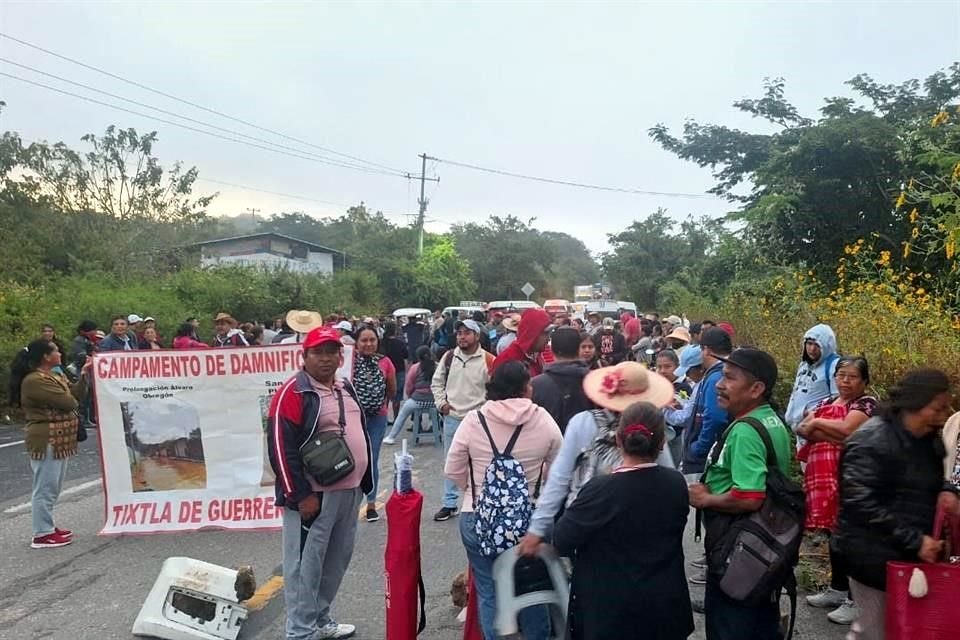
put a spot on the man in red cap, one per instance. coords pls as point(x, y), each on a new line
point(317, 542)
point(533, 334)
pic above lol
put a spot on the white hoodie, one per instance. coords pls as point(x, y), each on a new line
point(814, 381)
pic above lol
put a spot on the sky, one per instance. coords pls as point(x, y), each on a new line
point(163, 421)
point(563, 90)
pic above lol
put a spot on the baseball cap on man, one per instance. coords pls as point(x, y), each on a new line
point(344, 325)
point(469, 324)
point(319, 336)
point(134, 319)
point(716, 338)
point(674, 320)
point(757, 363)
point(690, 357)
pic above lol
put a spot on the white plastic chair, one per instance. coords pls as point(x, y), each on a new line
point(509, 604)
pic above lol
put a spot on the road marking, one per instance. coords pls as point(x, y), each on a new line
point(13, 444)
point(83, 486)
point(264, 593)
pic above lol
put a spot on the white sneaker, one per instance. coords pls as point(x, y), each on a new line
point(334, 630)
point(827, 599)
point(846, 613)
point(388, 440)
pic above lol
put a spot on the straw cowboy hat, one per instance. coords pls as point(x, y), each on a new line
point(303, 321)
point(680, 333)
point(511, 322)
point(225, 317)
point(616, 388)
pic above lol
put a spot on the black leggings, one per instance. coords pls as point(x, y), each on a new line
point(838, 572)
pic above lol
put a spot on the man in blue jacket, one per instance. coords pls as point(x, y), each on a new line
point(708, 419)
point(120, 339)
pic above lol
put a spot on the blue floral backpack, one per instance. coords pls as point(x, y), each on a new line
point(503, 509)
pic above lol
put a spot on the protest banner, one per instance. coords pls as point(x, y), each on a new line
point(183, 439)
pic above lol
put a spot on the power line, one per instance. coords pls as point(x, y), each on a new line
point(301, 197)
point(195, 105)
point(569, 183)
point(273, 193)
point(203, 131)
point(333, 161)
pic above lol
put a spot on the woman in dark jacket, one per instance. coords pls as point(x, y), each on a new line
point(625, 535)
point(891, 476)
point(395, 348)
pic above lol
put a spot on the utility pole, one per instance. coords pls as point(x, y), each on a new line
point(423, 200)
point(253, 213)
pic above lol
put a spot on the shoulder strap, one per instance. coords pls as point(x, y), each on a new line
point(486, 430)
point(765, 436)
point(791, 588)
point(513, 440)
point(827, 364)
point(423, 602)
point(447, 361)
point(721, 441)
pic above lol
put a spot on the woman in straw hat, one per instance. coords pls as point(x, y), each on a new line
point(625, 534)
point(589, 445)
point(301, 322)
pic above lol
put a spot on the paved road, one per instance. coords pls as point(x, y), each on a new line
point(15, 479)
point(93, 589)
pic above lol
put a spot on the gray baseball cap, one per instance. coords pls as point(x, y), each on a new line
point(469, 324)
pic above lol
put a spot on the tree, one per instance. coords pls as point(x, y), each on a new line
point(815, 185)
point(113, 208)
point(371, 242)
point(574, 266)
point(649, 254)
point(441, 276)
point(119, 177)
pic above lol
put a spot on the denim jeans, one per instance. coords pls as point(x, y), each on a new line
point(376, 426)
point(401, 379)
point(451, 495)
point(48, 475)
point(534, 621)
point(406, 409)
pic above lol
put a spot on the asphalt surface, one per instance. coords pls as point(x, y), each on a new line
point(93, 589)
point(15, 479)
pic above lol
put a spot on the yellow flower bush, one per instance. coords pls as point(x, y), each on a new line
point(876, 308)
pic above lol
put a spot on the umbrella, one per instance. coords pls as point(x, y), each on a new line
point(403, 577)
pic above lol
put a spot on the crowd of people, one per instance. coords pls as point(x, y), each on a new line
point(595, 436)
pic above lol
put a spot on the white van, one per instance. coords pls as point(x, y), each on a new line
point(628, 306)
point(512, 305)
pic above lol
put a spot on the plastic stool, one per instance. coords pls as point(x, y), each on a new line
point(418, 430)
point(509, 604)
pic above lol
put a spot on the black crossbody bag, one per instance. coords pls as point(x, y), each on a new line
point(326, 454)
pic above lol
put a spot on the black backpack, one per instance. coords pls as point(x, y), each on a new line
point(572, 398)
point(753, 556)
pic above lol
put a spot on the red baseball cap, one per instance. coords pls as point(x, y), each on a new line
point(319, 336)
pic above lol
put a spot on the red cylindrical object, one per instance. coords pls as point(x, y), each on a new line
point(471, 628)
point(402, 565)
